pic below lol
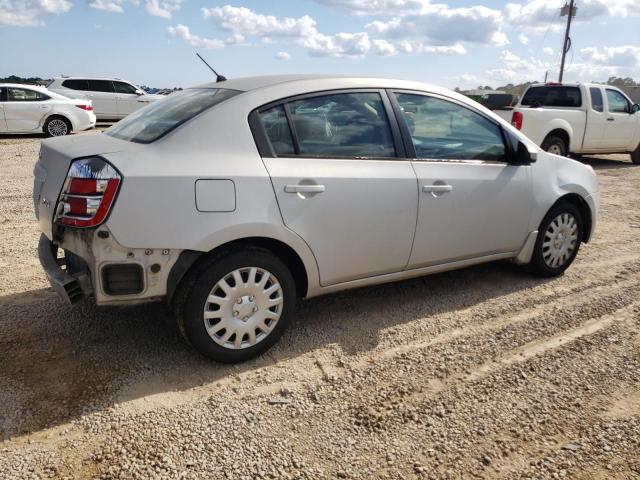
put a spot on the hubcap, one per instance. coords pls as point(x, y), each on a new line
point(555, 149)
point(243, 308)
point(57, 127)
point(560, 240)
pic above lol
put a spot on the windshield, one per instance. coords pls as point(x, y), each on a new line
point(159, 118)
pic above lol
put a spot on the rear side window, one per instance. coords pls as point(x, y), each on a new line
point(617, 102)
point(277, 129)
point(123, 87)
point(552, 96)
point(76, 84)
point(342, 125)
point(159, 118)
point(596, 99)
point(25, 95)
point(101, 86)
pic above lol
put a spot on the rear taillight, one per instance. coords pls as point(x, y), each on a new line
point(516, 120)
point(88, 108)
point(88, 193)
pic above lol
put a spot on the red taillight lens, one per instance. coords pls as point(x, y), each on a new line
point(516, 120)
point(88, 108)
point(88, 193)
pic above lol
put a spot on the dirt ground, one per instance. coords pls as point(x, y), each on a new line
point(480, 373)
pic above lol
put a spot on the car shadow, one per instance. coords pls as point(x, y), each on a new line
point(604, 163)
point(61, 362)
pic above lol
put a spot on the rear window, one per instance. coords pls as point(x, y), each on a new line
point(159, 118)
point(556, 96)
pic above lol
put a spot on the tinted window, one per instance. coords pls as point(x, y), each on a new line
point(344, 125)
point(76, 84)
point(276, 126)
point(552, 97)
point(100, 86)
point(596, 99)
point(445, 130)
point(159, 118)
point(24, 95)
point(617, 102)
point(3, 94)
point(123, 87)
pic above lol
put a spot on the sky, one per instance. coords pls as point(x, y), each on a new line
point(462, 43)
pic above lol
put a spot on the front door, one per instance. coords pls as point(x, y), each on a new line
point(341, 185)
point(621, 125)
point(25, 109)
point(103, 98)
point(128, 100)
point(472, 203)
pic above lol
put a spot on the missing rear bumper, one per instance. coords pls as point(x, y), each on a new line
point(68, 287)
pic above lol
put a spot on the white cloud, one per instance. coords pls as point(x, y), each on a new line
point(29, 13)
point(113, 6)
point(523, 39)
point(283, 56)
point(627, 56)
point(182, 31)
point(378, 7)
point(163, 8)
point(246, 22)
point(382, 47)
point(548, 50)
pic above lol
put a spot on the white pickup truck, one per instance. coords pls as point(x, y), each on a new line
point(579, 118)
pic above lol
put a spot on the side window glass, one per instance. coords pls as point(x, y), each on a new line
point(445, 130)
point(342, 125)
point(122, 87)
point(276, 126)
point(24, 95)
point(617, 102)
point(101, 86)
point(75, 84)
point(3, 94)
point(596, 99)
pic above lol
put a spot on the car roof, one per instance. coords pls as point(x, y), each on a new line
point(81, 77)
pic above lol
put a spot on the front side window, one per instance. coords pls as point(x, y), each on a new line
point(277, 129)
point(123, 87)
point(596, 99)
point(25, 95)
point(552, 96)
point(159, 118)
point(76, 84)
point(342, 125)
point(101, 86)
point(617, 102)
point(445, 130)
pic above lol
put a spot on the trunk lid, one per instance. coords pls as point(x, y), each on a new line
point(50, 171)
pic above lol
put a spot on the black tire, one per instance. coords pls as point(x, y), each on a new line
point(191, 298)
point(53, 128)
point(557, 144)
point(635, 156)
point(538, 265)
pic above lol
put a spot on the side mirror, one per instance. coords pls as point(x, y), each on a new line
point(635, 108)
point(519, 152)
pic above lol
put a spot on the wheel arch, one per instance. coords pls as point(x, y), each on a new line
point(561, 133)
point(57, 115)
point(585, 211)
point(191, 261)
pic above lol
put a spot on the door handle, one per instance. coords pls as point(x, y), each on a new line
point(611, 119)
point(437, 188)
point(304, 188)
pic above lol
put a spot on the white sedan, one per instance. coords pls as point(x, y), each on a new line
point(32, 109)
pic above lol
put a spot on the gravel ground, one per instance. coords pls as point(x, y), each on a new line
point(480, 373)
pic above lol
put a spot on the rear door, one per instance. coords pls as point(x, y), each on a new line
point(472, 203)
point(596, 120)
point(104, 98)
point(25, 109)
point(127, 98)
point(341, 180)
point(622, 127)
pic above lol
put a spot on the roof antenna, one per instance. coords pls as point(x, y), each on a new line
point(219, 78)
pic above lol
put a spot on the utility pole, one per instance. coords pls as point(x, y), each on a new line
point(570, 11)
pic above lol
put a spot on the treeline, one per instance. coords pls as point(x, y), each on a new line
point(28, 80)
point(521, 87)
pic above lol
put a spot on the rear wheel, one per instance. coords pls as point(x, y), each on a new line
point(57, 127)
point(237, 306)
point(558, 242)
point(555, 145)
point(635, 156)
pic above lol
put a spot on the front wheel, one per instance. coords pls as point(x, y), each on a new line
point(635, 156)
point(555, 145)
point(238, 306)
point(558, 242)
point(57, 127)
